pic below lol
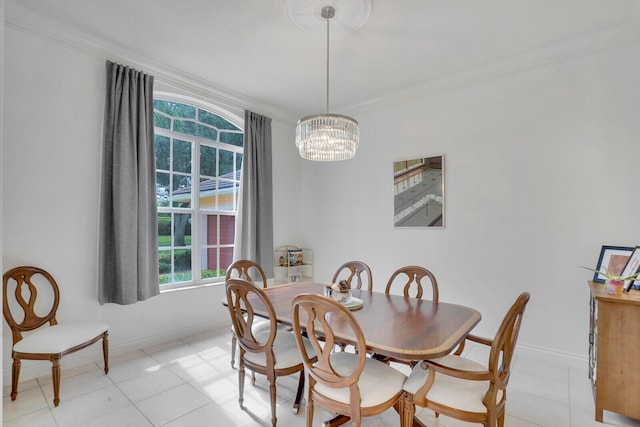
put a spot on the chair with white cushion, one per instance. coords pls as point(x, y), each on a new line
point(465, 389)
point(253, 273)
point(271, 351)
point(346, 383)
point(42, 342)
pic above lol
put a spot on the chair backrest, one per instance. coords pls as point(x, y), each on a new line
point(319, 316)
point(27, 280)
point(247, 270)
point(355, 269)
point(504, 342)
point(412, 276)
point(239, 293)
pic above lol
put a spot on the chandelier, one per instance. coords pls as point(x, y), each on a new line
point(327, 137)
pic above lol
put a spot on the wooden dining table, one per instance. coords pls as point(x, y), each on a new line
point(393, 325)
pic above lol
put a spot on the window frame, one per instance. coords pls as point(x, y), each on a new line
point(197, 246)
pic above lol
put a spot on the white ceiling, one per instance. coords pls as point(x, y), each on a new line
point(250, 47)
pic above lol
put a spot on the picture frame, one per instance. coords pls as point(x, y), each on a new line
point(613, 258)
point(632, 267)
point(418, 192)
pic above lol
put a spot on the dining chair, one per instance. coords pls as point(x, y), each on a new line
point(267, 351)
point(250, 271)
point(411, 277)
point(463, 388)
point(354, 269)
point(350, 384)
point(20, 287)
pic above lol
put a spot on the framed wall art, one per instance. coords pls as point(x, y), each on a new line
point(631, 267)
point(613, 258)
point(418, 192)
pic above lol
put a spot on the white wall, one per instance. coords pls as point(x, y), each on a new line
point(540, 171)
point(51, 172)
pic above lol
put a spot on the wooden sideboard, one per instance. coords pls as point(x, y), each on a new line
point(614, 351)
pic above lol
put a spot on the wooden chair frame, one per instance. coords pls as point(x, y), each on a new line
point(242, 318)
point(497, 374)
point(317, 309)
point(414, 275)
point(247, 270)
point(356, 269)
point(23, 277)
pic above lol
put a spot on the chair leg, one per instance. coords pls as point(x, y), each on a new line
point(105, 351)
point(409, 410)
point(15, 376)
point(241, 383)
point(233, 351)
point(309, 411)
point(272, 392)
point(55, 373)
point(296, 402)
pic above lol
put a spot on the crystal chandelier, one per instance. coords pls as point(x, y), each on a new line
point(327, 137)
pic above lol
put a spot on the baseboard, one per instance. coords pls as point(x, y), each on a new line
point(34, 369)
point(552, 356)
point(31, 369)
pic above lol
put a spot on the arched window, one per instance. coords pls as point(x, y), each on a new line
point(199, 151)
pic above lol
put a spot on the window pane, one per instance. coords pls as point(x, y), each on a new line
point(161, 121)
point(182, 230)
point(175, 109)
point(227, 229)
point(164, 232)
point(238, 164)
point(226, 163)
point(208, 193)
point(210, 266)
point(211, 229)
point(182, 262)
point(236, 139)
point(162, 189)
point(215, 120)
point(207, 160)
point(225, 195)
point(182, 191)
point(163, 152)
point(181, 156)
point(190, 128)
point(165, 266)
point(226, 257)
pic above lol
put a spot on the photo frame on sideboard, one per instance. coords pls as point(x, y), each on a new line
point(418, 192)
point(612, 258)
point(631, 268)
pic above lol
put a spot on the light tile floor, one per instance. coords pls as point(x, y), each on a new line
point(190, 383)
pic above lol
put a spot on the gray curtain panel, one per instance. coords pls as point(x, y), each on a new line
point(128, 254)
point(254, 223)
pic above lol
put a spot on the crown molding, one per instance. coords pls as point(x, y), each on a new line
point(592, 44)
point(624, 34)
point(26, 21)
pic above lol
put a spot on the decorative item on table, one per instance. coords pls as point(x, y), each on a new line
point(616, 283)
point(295, 257)
point(341, 291)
